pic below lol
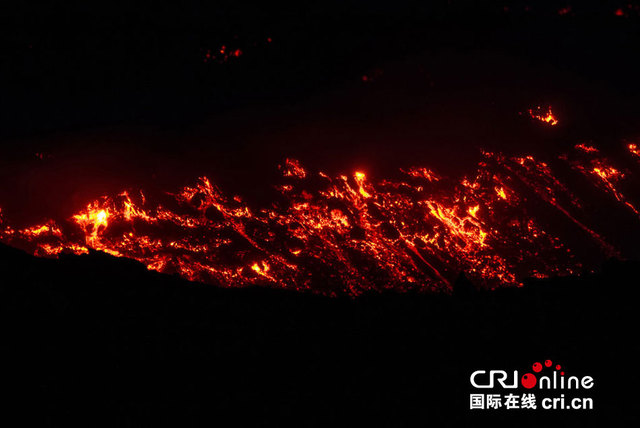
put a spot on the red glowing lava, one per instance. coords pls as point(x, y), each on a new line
point(350, 233)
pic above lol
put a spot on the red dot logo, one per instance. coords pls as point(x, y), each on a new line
point(547, 363)
point(558, 367)
point(528, 380)
point(537, 367)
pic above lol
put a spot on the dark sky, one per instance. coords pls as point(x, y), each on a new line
point(78, 65)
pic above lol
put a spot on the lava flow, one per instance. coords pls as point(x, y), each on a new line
point(513, 218)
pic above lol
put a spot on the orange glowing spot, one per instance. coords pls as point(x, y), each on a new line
point(360, 178)
point(261, 268)
point(501, 193)
point(339, 217)
point(91, 221)
point(607, 173)
point(633, 148)
point(542, 116)
point(473, 210)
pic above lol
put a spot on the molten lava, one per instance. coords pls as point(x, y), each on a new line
point(544, 116)
point(513, 218)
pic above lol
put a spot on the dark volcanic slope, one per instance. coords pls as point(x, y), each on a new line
point(99, 339)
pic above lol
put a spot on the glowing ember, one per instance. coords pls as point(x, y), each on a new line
point(349, 234)
point(543, 116)
point(221, 55)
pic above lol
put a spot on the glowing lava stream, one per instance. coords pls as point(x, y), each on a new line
point(348, 235)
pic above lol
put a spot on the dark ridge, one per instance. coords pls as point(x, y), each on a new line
point(101, 340)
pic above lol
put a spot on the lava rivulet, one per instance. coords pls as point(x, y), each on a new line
point(512, 219)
